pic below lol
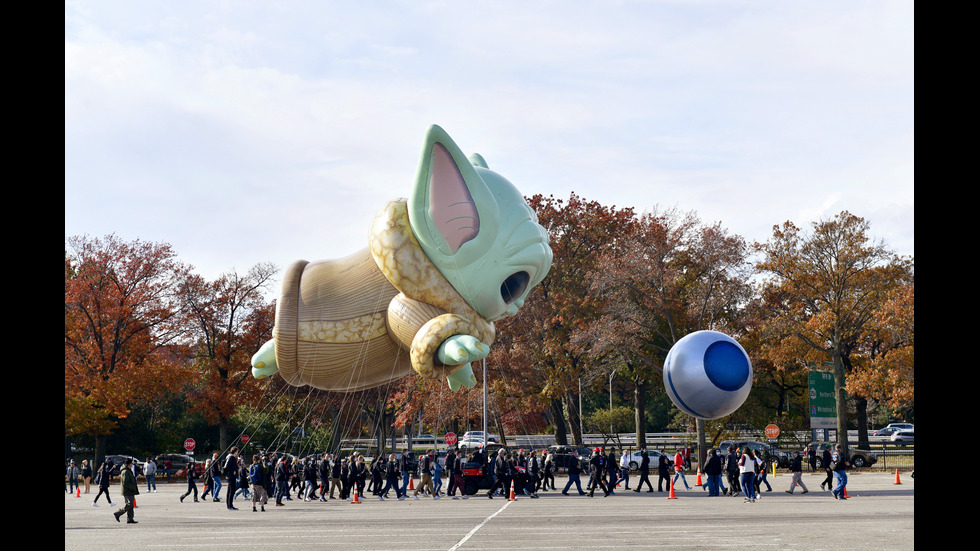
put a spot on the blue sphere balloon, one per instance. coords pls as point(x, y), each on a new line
point(707, 374)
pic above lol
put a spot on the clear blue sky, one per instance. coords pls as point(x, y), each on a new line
point(242, 132)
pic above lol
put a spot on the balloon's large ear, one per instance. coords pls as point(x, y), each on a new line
point(450, 205)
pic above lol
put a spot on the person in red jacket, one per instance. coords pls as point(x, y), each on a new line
point(679, 470)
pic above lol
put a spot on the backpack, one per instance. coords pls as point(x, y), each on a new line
point(255, 474)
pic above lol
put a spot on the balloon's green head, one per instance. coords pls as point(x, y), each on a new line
point(476, 227)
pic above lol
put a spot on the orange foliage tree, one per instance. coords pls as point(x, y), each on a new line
point(230, 319)
point(123, 331)
point(671, 276)
point(825, 290)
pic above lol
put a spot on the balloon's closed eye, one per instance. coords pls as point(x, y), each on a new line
point(513, 287)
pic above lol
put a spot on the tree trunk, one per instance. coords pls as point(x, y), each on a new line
point(100, 444)
point(841, 395)
point(862, 421)
point(639, 404)
point(571, 406)
point(561, 431)
point(222, 435)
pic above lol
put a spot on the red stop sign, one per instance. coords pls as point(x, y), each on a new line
point(244, 439)
point(450, 438)
point(189, 444)
point(772, 431)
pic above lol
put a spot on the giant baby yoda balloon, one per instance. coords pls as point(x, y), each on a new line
point(464, 250)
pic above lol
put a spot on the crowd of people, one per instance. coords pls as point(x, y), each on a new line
point(279, 477)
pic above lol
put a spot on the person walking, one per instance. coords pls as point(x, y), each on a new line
point(713, 469)
point(405, 468)
point(323, 471)
point(244, 481)
point(257, 476)
point(679, 466)
point(747, 467)
point(282, 480)
point(500, 469)
point(425, 469)
point(645, 470)
point(796, 467)
point(663, 472)
point(839, 464)
point(548, 477)
point(456, 477)
point(612, 470)
point(104, 479)
point(826, 459)
point(230, 471)
point(574, 476)
point(360, 474)
point(86, 474)
point(811, 457)
point(215, 478)
point(437, 471)
point(732, 469)
point(309, 479)
point(763, 459)
point(596, 468)
point(150, 473)
point(336, 466)
point(624, 470)
point(191, 486)
point(73, 474)
point(391, 478)
point(130, 489)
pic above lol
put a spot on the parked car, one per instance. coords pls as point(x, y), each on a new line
point(562, 456)
point(476, 438)
point(636, 458)
point(859, 458)
point(423, 440)
point(908, 426)
point(903, 436)
point(781, 457)
point(119, 460)
point(170, 464)
point(890, 429)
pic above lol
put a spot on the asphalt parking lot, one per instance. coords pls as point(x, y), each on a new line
point(880, 514)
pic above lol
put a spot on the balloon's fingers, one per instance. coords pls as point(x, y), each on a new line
point(461, 377)
point(264, 361)
point(459, 349)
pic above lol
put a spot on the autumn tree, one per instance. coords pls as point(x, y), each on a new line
point(672, 276)
point(230, 319)
point(541, 347)
point(825, 289)
point(123, 330)
point(888, 372)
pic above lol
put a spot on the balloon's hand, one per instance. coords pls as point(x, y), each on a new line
point(462, 349)
point(264, 361)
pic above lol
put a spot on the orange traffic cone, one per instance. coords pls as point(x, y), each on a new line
point(845, 492)
point(698, 481)
point(672, 495)
point(411, 483)
point(897, 480)
point(78, 489)
point(135, 506)
point(513, 496)
point(357, 498)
